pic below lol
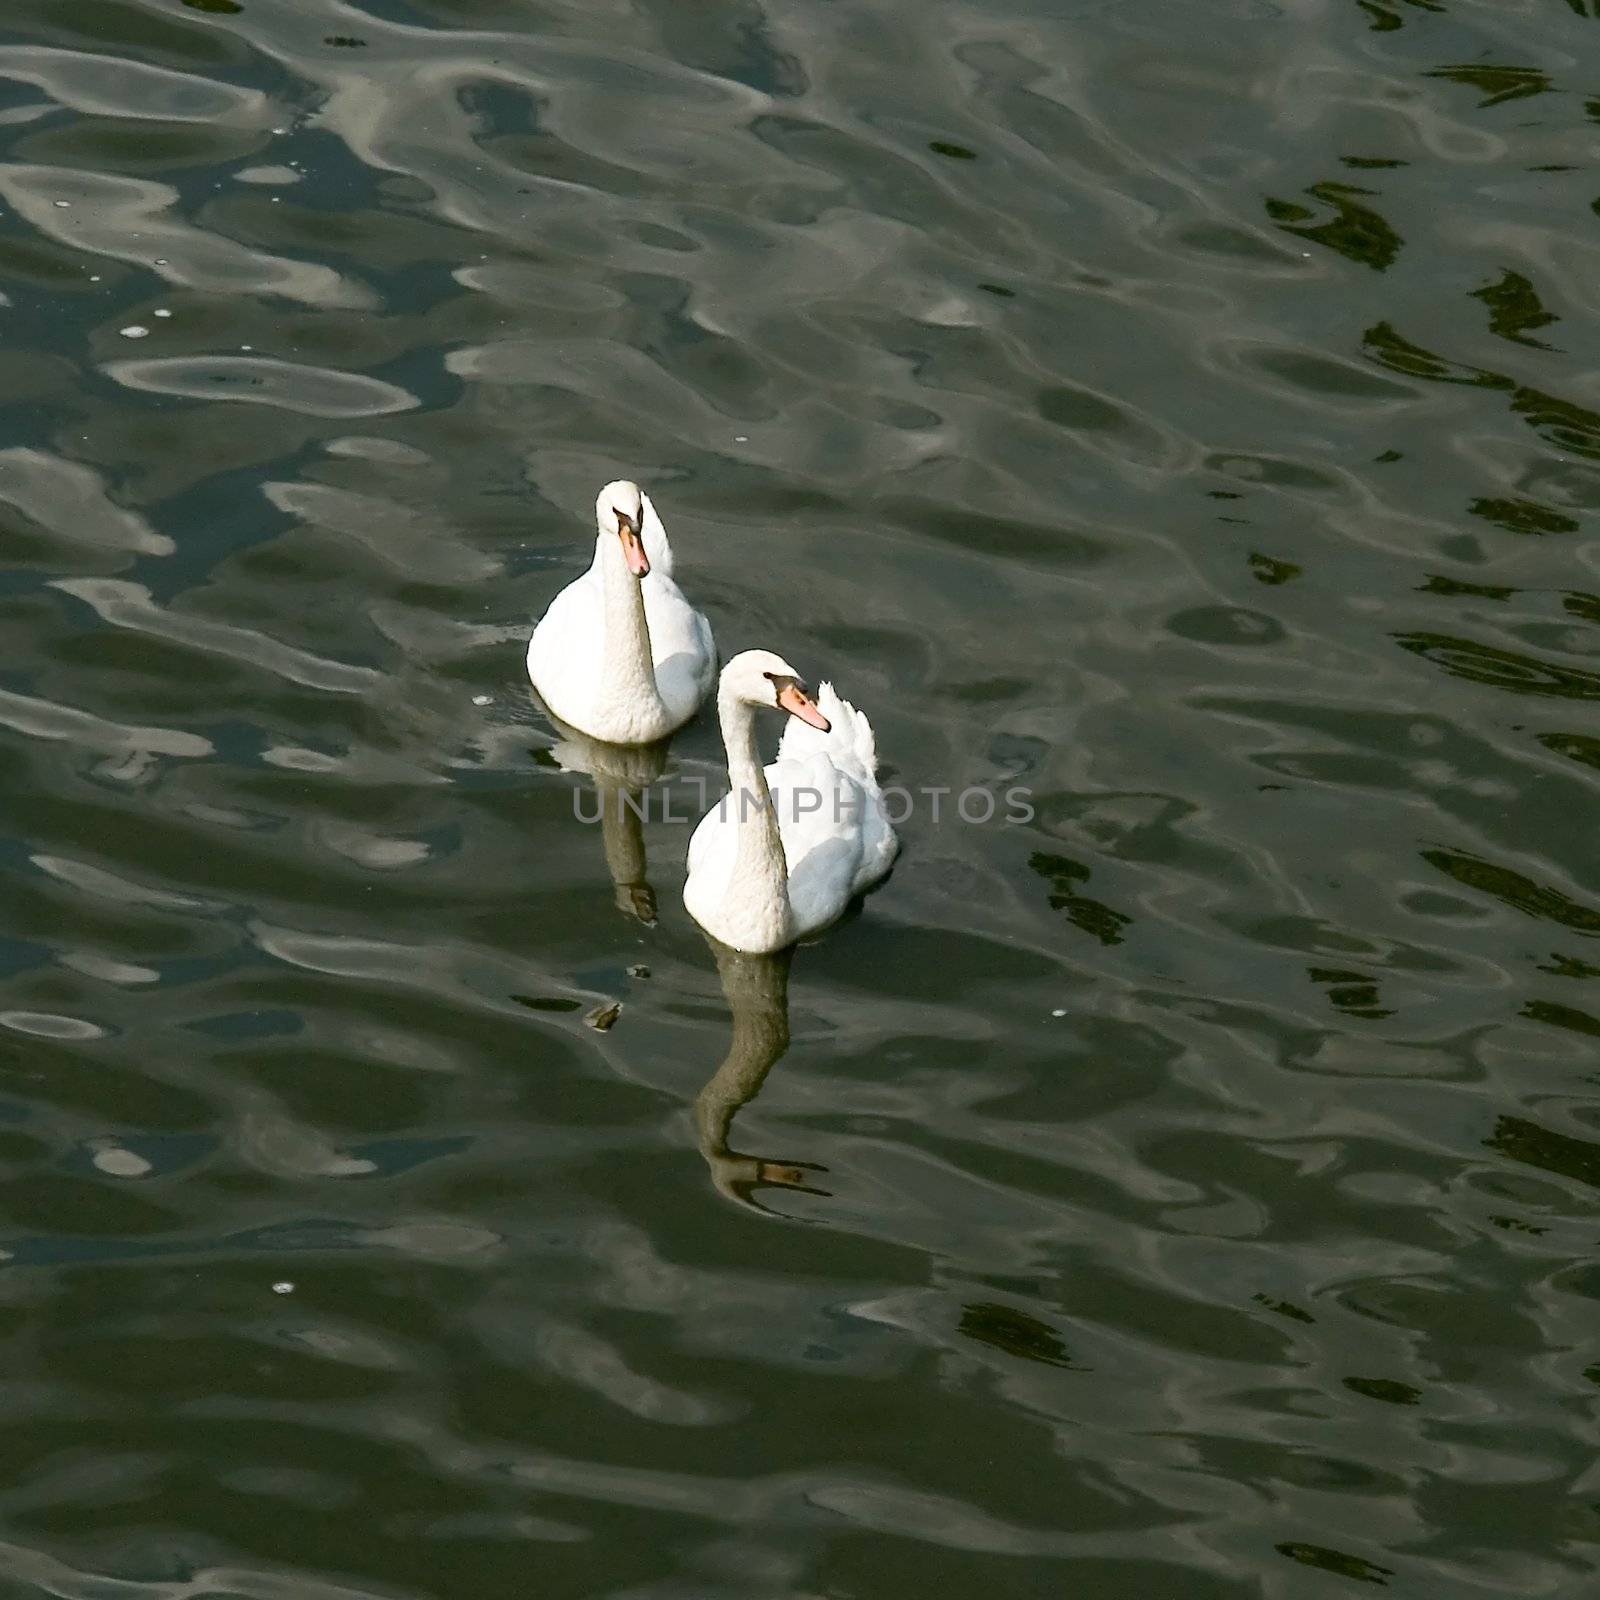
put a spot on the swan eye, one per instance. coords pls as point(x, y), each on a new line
point(780, 682)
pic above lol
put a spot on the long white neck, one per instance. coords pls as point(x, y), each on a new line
point(757, 895)
point(627, 672)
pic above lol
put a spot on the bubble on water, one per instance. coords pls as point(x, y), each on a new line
point(283, 1286)
point(63, 204)
point(134, 330)
point(481, 699)
point(741, 438)
point(163, 312)
point(1060, 1011)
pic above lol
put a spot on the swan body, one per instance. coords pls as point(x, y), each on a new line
point(620, 654)
point(785, 852)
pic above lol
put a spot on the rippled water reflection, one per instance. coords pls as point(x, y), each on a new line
point(1189, 414)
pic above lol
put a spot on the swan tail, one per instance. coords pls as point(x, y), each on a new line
point(849, 741)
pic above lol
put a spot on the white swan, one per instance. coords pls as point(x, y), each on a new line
point(784, 853)
point(620, 655)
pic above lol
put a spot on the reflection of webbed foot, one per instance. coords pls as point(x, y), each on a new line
point(638, 900)
point(789, 1174)
point(738, 1177)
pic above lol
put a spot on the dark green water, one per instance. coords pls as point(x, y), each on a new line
point(1189, 413)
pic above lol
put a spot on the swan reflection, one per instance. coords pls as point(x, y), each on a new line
point(621, 774)
point(757, 987)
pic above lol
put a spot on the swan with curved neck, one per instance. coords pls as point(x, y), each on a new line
point(783, 854)
point(620, 654)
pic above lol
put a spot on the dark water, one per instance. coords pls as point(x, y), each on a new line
point(1188, 413)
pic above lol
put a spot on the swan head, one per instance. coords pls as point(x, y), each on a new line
point(762, 678)
point(619, 514)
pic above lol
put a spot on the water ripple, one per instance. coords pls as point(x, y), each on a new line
point(113, 86)
point(255, 380)
point(127, 219)
point(1179, 415)
point(71, 501)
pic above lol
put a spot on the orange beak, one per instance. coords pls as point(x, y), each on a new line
point(632, 546)
point(798, 703)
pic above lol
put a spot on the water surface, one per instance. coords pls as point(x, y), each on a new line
point(1188, 414)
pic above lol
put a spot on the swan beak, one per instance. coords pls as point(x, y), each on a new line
point(794, 699)
point(632, 545)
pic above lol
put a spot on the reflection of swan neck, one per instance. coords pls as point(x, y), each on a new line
point(757, 988)
point(622, 834)
point(622, 777)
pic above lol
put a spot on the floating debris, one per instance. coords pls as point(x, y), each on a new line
point(602, 1017)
